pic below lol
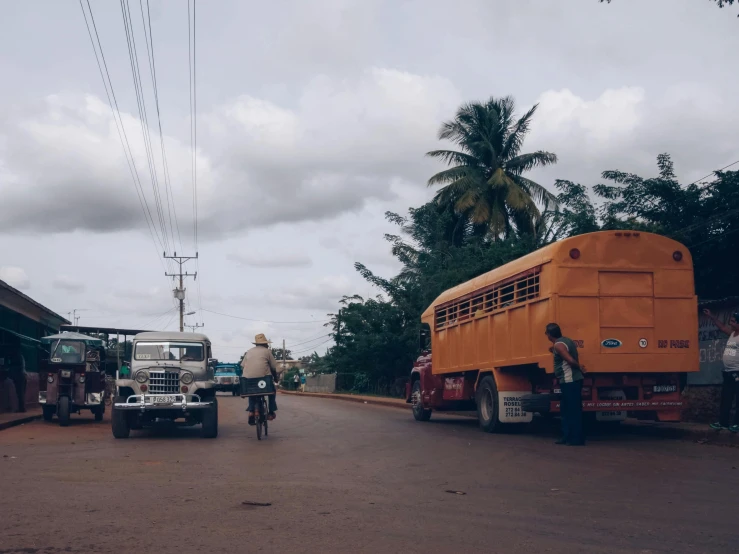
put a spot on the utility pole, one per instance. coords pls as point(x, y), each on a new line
point(283, 355)
point(194, 327)
point(179, 293)
point(74, 316)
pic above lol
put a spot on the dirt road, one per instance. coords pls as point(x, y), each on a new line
point(345, 477)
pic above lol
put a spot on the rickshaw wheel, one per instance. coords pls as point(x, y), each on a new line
point(62, 411)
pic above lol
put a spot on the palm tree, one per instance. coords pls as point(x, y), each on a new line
point(486, 181)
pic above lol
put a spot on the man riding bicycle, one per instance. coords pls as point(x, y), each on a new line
point(259, 362)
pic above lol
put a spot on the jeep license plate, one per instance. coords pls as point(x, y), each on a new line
point(164, 400)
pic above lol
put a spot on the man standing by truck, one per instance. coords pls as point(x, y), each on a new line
point(569, 373)
point(730, 389)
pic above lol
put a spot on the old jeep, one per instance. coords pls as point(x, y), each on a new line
point(171, 378)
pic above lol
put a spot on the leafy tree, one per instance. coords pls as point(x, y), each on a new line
point(719, 3)
point(704, 216)
point(486, 181)
point(277, 353)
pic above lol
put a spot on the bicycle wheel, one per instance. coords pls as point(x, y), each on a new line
point(260, 417)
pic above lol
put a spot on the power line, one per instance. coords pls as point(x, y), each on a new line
point(143, 117)
point(309, 340)
point(171, 205)
point(120, 127)
point(312, 348)
point(192, 66)
point(264, 320)
point(712, 172)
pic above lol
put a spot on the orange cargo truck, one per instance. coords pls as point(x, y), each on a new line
point(626, 298)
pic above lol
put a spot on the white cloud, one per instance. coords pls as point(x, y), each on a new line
point(323, 294)
point(69, 284)
point(15, 277)
point(270, 259)
point(626, 129)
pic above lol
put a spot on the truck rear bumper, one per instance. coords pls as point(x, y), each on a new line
point(547, 403)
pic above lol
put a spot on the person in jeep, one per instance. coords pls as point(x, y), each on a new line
point(259, 362)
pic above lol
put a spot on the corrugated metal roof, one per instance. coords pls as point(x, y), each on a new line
point(18, 293)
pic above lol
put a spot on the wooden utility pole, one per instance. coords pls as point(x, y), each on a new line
point(179, 293)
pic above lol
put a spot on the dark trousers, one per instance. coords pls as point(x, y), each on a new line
point(729, 396)
point(571, 412)
point(271, 400)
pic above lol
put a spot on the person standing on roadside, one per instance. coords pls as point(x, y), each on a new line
point(730, 388)
point(17, 373)
point(569, 373)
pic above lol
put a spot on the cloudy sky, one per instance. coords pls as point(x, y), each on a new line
point(313, 118)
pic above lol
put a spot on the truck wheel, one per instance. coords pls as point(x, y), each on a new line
point(419, 412)
point(48, 413)
point(119, 421)
point(487, 405)
point(62, 411)
point(210, 420)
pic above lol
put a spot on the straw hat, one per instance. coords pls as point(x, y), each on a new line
point(260, 339)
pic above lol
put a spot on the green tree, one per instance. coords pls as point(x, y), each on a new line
point(719, 3)
point(486, 181)
point(277, 353)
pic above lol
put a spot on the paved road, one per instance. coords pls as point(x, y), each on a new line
point(345, 477)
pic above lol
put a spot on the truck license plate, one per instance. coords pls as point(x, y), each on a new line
point(164, 399)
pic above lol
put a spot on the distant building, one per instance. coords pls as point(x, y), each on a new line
point(23, 322)
point(287, 365)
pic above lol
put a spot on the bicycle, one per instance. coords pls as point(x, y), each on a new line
point(260, 417)
point(256, 388)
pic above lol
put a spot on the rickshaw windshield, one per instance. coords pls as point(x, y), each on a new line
point(170, 351)
point(67, 352)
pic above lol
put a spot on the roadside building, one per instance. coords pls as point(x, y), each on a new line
point(23, 322)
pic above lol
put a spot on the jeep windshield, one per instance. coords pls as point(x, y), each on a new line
point(67, 352)
point(170, 351)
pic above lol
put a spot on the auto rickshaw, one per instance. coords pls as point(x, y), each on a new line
point(72, 378)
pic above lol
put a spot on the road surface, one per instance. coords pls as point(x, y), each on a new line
point(346, 477)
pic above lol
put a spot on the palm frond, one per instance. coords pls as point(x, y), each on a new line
point(527, 162)
point(500, 179)
point(517, 134)
point(537, 192)
point(468, 200)
point(454, 157)
point(449, 175)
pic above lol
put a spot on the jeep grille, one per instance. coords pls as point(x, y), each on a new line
point(164, 382)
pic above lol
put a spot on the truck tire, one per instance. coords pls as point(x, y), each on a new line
point(210, 420)
point(48, 413)
point(62, 410)
point(419, 412)
point(119, 421)
point(486, 399)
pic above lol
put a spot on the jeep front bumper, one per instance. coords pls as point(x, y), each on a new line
point(146, 402)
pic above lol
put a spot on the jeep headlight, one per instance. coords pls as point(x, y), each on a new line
point(142, 377)
point(187, 378)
